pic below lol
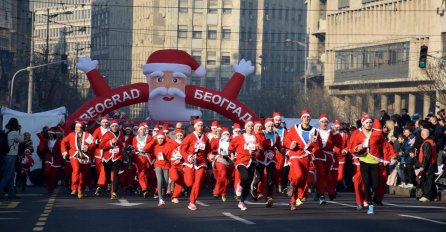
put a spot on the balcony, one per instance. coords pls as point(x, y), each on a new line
point(322, 28)
point(315, 68)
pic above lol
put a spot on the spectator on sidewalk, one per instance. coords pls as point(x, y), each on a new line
point(427, 160)
point(405, 118)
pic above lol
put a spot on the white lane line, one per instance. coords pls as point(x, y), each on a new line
point(238, 218)
point(29, 195)
point(421, 218)
point(201, 203)
point(8, 218)
point(343, 204)
point(12, 211)
point(38, 228)
point(264, 203)
point(415, 206)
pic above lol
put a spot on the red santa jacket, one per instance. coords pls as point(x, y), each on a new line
point(302, 149)
point(358, 137)
point(70, 141)
point(197, 147)
point(53, 152)
point(331, 143)
point(389, 152)
point(141, 148)
point(176, 155)
point(113, 151)
point(128, 140)
point(245, 146)
point(163, 154)
point(270, 148)
point(97, 136)
point(214, 145)
point(341, 151)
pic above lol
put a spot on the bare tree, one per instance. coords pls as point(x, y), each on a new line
point(436, 80)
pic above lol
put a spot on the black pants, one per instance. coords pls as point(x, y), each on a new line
point(427, 183)
point(370, 177)
point(109, 167)
point(409, 174)
point(285, 173)
point(269, 177)
point(246, 175)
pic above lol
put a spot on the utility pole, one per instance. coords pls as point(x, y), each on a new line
point(31, 62)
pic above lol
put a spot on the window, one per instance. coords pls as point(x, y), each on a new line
point(196, 33)
point(197, 56)
point(182, 31)
point(183, 6)
point(226, 33)
point(211, 58)
point(212, 34)
point(210, 82)
point(198, 6)
point(227, 10)
point(212, 7)
point(225, 58)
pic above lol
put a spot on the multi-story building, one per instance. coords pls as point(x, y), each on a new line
point(372, 50)
point(219, 34)
point(15, 38)
point(63, 27)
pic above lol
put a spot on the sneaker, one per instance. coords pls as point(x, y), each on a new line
point(215, 196)
point(242, 206)
point(175, 200)
point(98, 191)
point(146, 194)
point(359, 207)
point(155, 196)
point(161, 203)
point(377, 201)
point(292, 207)
point(424, 199)
point(290, 191)
point(402, 185)
point(299, 202)
point(192, 206)
point(238, 191)
point(371, 210)
point(114, 196)
point(409, 186)
point(322, 200)
point(80, 194)
point(73, 193)
point(223, 198)
point(260, 196)
point(366, 204)
point(269, 202)
point(279, 188)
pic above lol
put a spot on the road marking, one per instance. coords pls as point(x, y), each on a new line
point(421, 218)
point(264, 203)
point(38, 228)
point(343, 204)
point(8, 218)
point(415, 206)
point(8, 205)
point(12, 211)
point(43, 218)
point(40, 223)
point(126, 203)
point(29, 195)
point(238, 218)
point(201, 203)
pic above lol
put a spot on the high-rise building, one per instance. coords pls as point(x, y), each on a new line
point(371, 52)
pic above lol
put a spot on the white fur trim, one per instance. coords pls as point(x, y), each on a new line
point(305, 115)
point(324, 118)
point(114, 124)
point(200, 71)
point(160, 136)
point(149, 68)
point(198, 123)
point(269, 123)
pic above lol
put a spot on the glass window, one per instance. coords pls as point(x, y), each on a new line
point(182, 31)
point(212, 34)
point(212, 7)
point(183, 6)
point(196, 34)
point(227, 10)
point(225, 59)
point(226, 33)
point(198, 6)
point(197, 56)
point(211, 58)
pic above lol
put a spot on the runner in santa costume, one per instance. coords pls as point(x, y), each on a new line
point(112, 143)
point(127, 173)
point(223, 166)
point(195, 149)
point(360, 146)
point(257, 192)
point(304, 142)
point(245, 148)
point(162, 151)
point(176, 166)
point(236, 131)
point(331, 141)
point(77, 146)
point(53, 159)
point(282, 167)
point(141, 144)
point(213, 132)
point(97, 136)
point(343, 152)
point(268, 159)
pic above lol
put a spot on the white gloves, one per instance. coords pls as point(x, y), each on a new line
point(244, 67)
point(85, 64)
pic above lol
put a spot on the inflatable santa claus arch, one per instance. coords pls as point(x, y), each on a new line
point(166, 91)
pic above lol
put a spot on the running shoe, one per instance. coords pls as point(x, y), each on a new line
point(242, 206)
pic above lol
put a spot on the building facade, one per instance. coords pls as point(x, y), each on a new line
point(371, 54)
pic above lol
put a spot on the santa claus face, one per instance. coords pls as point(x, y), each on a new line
point(323, 124)
point(167, 85)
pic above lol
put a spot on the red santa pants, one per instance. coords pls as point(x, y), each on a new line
point(142, 170)
point(176, 175)
point(51, 176)
point(322, 172)
point(380, 191)
point(280, 161)
point(341, 171)
point(358, 186)
point(298, 175)
point(222, 174)
point(194, 178)
point(99, 170)
point(332, 177)
point(79, 176)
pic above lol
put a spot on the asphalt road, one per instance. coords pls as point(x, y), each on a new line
point(37, 211)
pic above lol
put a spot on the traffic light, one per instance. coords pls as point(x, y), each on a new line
point(423, 57)
point(64, 64)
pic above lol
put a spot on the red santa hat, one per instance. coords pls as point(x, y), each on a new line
point(337, 123)
point(142, 125)
point(114, 122)
point(276, 115)
point(165, 128)
point(268, 121)
point(174, 61)
point(365, 118)
point(248, 122)
point(257, 123)
point(52, 130)
point(80, 123)
point(214, 124)
point(304, 112)
point(225, 130)
point(156, 127)
point(323, 117)
point(377, 125)
point(179, 132)
point(104, 119)
point(198, 122)
point(59, 130)
point(160, 134)
point(128, 127)
point(236, 127)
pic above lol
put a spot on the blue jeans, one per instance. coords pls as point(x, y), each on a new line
point(7, 180)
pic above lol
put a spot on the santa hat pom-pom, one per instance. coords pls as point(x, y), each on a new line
point(200, 71)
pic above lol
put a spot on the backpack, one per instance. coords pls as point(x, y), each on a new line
point(4, 146)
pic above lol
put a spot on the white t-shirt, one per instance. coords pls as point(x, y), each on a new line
point(14, 146)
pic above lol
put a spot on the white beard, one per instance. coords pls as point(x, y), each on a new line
point(174, 110)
